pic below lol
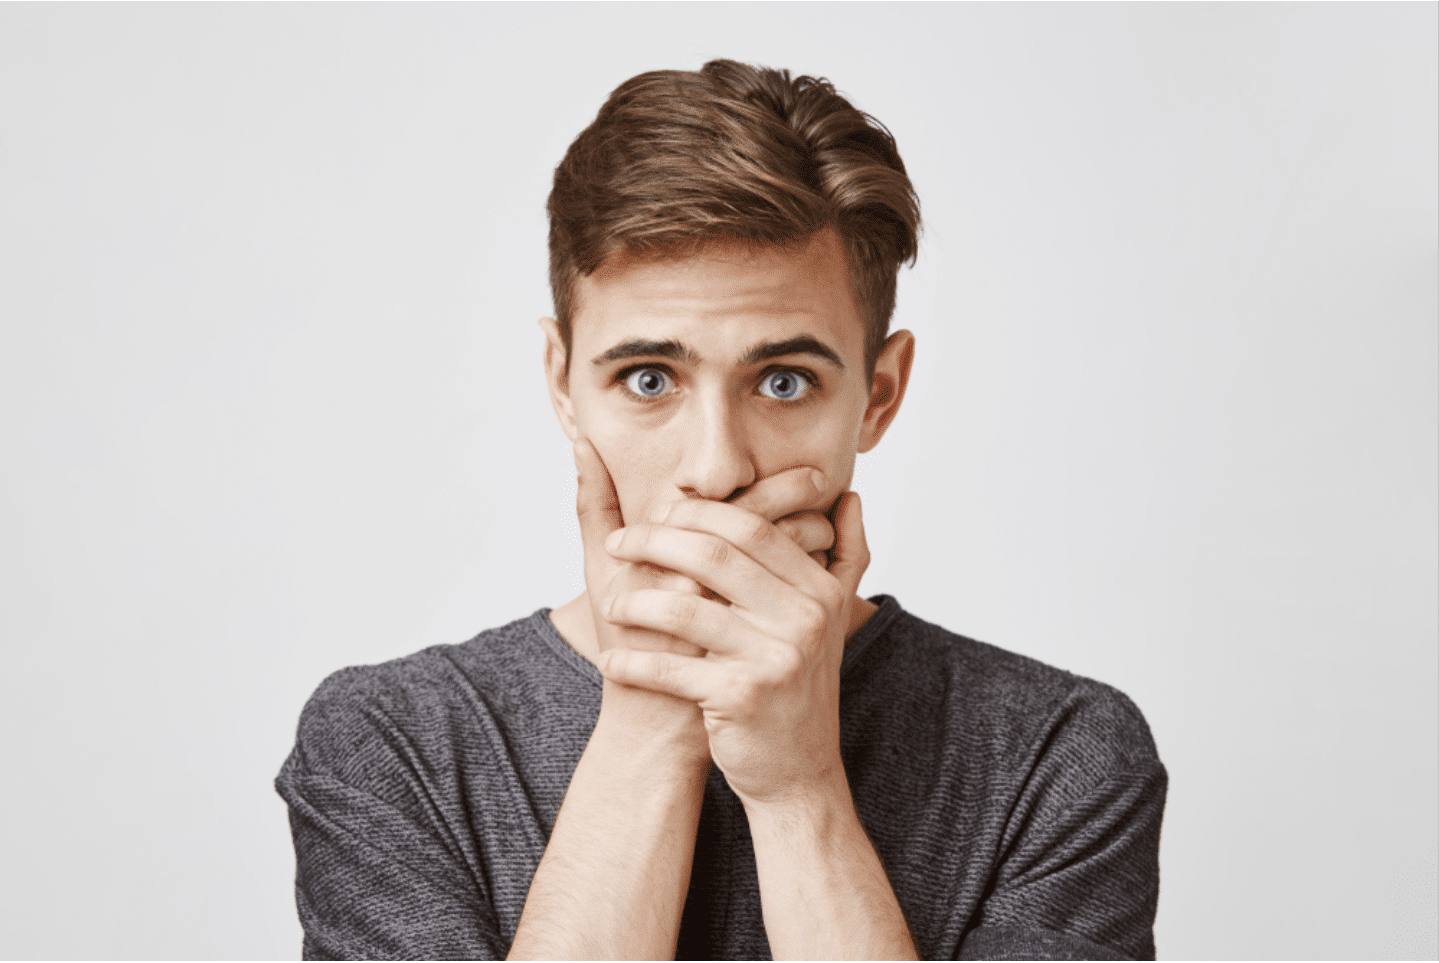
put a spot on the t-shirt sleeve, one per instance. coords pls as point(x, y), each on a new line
point(376, 878)
point(1078, 877)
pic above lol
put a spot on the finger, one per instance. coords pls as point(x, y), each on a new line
point(631, 578)
point(598, 506)
point(710, 625)
point(713, 561)
point(652, 576)
point(674, 582)
point(784, 493)
point(761, 541)
point(622, 637)
point(820, 558)
point(851, 550)
point(682, 676)
point(596, 501)
point(811, 531)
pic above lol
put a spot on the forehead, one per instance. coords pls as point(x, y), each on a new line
point(723, 294)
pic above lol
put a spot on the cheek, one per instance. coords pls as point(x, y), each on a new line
point(827, 443)
point(640, 462)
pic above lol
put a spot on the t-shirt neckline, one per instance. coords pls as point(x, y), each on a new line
point(887, 609)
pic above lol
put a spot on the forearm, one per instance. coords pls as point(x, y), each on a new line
point(613, 879)
point(823, 889)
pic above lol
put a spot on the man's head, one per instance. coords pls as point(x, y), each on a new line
point(724, 251)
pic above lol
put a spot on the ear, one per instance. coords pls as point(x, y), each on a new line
point(886, 391)
point(557, 379)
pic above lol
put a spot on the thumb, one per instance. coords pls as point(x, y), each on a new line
point(596, 502)
point(851, 551)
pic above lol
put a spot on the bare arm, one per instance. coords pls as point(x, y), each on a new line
point(823, 889)
point(769, 688)
point(612, 882)
point(614, 876)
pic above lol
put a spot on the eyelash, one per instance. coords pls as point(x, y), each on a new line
point(622, 376)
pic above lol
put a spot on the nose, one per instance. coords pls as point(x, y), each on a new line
point(715, 461)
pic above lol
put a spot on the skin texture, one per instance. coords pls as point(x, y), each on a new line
point(721, 436)
point(719, 632)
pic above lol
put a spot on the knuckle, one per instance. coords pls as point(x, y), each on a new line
point(717, 552)
point(787, 661)
point(742, 687)
point(813, 615)
point(681, 611)
point(755, 530)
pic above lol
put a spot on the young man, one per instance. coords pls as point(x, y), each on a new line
point(719, 749)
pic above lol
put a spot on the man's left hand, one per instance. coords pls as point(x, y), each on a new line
point(768, 683)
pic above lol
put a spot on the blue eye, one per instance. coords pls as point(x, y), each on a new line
point(784, 385)
point(647, 382)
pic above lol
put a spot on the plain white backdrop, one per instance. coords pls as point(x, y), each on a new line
point(271, 404)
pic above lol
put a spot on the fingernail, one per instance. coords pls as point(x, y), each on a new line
point(817, 477)
point(613, 541)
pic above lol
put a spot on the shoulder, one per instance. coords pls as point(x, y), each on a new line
point(1015, 709)
point(364, 721)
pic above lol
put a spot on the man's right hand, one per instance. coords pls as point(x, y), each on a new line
point(786, 498)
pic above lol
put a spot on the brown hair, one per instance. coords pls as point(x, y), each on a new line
point(677, 158)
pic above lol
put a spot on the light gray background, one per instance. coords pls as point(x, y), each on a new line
point(271, 404)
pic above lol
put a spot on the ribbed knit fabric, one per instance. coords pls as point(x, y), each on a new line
point(1016, 807)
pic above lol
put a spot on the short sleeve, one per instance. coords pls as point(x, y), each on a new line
point(1079, 874)
point(369, 885)
point(376, 877)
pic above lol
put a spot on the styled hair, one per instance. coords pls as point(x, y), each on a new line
point(677, 159)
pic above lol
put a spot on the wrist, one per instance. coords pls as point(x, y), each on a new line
point(814, 810)
point(661, 729)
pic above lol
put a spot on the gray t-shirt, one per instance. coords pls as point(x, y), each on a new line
point(1016, 807)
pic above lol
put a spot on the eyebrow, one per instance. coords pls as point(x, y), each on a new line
point(679, 351)
point(803, 344)
point(640, 348)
